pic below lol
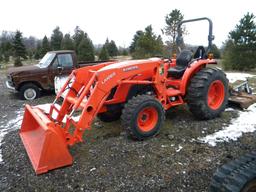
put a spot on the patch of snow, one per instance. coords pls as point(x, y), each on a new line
point(229, 109)
point(179, 148)
point(92, 169)
point(9, 126)
point(46, 108)
point(245, 123)
point(233, 77)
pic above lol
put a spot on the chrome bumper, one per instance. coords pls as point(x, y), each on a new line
point(10, 87)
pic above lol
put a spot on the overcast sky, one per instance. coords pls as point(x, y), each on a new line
point(120, 19)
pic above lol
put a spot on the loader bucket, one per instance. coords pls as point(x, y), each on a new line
point(44, 141)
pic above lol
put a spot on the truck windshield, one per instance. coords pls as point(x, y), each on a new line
point(46, 60)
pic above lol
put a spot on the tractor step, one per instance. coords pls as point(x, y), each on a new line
point(172, 92)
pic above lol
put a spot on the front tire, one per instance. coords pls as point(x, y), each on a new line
point(29, 92)
point(142, 117)
point(207, 94)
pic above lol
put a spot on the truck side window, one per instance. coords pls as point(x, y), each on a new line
point(55, 63)
point(65, 60)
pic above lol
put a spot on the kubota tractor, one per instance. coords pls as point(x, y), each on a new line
point(138, 91)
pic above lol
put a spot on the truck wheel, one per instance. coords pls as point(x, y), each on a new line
point(110, 116)
point(236, 176)
point(142, 117)
point(207, 94)
point(29, 91)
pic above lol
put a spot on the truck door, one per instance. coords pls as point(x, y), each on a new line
point(65, 64)
point(61, 66)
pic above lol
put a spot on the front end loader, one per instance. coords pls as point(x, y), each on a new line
point(137, 91)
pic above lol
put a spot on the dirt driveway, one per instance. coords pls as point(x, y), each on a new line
point(175, 160)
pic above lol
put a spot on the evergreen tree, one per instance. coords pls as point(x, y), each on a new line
point(78, 36)
point(38, 52)
point(147, 44)
point(215, 51)
point(45, 46)
point(104, 54)
point(112, 49)
point(240, 48)
point(67, 43)
point(1, 56)
point(56, 39)
point(123, 51)
point(6, 39)
point(172, 19)
point(136, 37)
point(19, 49)
point(30, 44)
point(7, 51)
point(85, 50)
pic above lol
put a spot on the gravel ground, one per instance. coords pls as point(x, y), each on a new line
point(174, 160)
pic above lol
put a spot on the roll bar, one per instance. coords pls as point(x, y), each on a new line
point(179, 39)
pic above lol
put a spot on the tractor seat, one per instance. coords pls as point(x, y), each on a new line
point(182, 63)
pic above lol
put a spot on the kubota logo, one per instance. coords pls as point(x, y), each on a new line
point(108, 77)
point(130, 68)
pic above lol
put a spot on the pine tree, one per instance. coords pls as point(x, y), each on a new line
point(56, 39)
point(86, 50)
point(136, 37)
point(38, 52)
point(45, 46)
point(112, 49)
point(215, 51)
point(78, 37)
point(104, 54)
point(172, 20)
point(19, 49)
point(240, 48)
point(1, 56)
point(67, 43)
point(124, 52)
point(30, 44)
point(6, 47)
point(147, 44)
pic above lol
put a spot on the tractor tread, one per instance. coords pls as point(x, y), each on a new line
point(234, 175)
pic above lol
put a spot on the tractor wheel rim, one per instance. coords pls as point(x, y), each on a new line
point(30, 94)
point(147, 119)
point(216, 94)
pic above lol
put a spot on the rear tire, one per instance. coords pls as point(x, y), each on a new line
point(142, 117)
point(29, 92)
point(207, 94)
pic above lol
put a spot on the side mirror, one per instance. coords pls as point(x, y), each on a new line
point(60, 69)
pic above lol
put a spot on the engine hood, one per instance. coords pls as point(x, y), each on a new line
point(24, 70)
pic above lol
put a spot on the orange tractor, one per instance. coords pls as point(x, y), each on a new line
point(138, 91)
